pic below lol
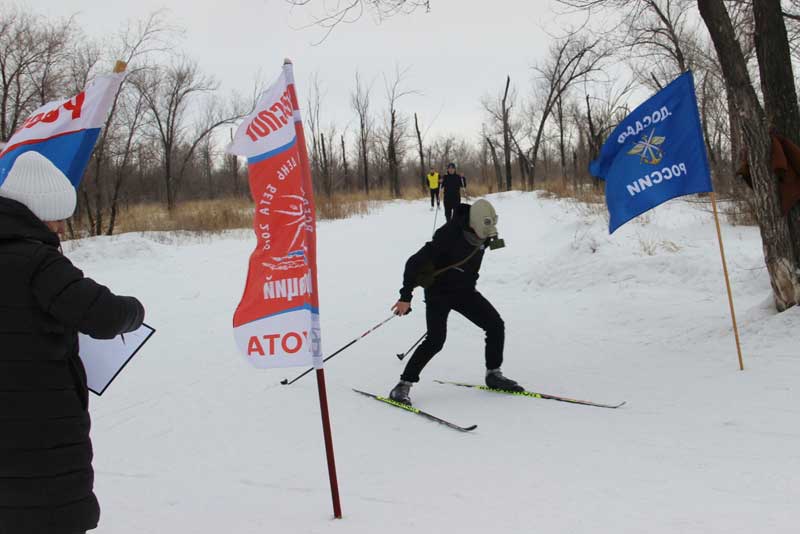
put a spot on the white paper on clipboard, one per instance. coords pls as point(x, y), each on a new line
point(104, 359)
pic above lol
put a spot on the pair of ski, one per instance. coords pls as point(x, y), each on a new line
point(454, 426)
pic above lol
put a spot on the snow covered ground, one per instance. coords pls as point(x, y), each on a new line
point(190, 439)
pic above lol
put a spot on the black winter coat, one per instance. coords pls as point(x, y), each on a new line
point(448, 247)
point(452, 184)
point(46, 475)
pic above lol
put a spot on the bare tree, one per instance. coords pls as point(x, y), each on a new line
point(33, 64)
point(330, 14)
point(657, 35)
point(140, 40)
point(495, 162)
point(345, 166)
point(522, 160)
point(395, 129)
point(779, 248)
point(325, 168)
point(499, 110)
point(360, 102)
point(232, 168)
point(132, 113)
point(603, 112)
point(570, 60)
point(506, 110)
point(778, 86)
point(168, 92)
point(49, 74)
point(422, 172)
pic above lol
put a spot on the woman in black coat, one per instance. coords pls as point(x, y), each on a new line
point(46, 475)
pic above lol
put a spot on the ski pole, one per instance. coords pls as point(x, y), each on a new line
point(403, 355)
point(286, 381)
point(435, 216)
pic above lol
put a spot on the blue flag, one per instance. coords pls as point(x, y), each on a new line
point(655, 154)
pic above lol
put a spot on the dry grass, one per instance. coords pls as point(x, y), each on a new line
point(344, 206)
point(232, 213)
point(194, 216)
point(566, 189)
point(224, 214)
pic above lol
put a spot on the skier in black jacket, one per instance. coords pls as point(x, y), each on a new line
point(452, 183)
point(46, 475)
point(447, 267)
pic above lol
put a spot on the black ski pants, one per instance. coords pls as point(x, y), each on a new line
point(435, 195)
point(476, 309)
point(450, 205)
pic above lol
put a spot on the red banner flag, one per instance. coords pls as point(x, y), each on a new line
point(277, 321)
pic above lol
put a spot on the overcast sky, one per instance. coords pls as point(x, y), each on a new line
point(456, 53)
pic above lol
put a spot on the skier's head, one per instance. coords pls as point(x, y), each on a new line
point(451, 168)
point(483, 219)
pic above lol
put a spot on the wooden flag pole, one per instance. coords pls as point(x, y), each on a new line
point(727, 279)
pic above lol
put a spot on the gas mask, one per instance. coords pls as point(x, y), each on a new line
point(483, 221)
point(495, 242)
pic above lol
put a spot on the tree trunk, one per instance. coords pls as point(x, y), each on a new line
point(345, 166)
point(524, 164)
point(734, 125)
point(507, 136)
point(712, 156)
point(391, 156)
point(561, 147)
point(326, 170)
point(498, 173)
point(365, 164)
point(593, 140)
point(168, 181)
point(421, 154)
point(779, 254)
point(778, 87)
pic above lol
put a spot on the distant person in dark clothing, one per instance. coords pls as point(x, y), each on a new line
point(452, 184)
point(46, 476)
point(447, 267)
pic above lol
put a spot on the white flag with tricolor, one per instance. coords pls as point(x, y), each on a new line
point(65, 131)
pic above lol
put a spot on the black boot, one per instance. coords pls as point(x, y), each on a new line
point(400, 393)
point(496, 380)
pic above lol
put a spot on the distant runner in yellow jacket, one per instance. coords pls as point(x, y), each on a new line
point(433, 185)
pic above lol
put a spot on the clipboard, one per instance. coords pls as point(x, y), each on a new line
point(104, 359)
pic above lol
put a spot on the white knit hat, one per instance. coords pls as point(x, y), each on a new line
point(41, 186)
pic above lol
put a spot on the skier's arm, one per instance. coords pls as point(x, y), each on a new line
point(421, 261)
point(420, 267)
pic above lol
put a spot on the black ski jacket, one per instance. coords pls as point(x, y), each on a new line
point(452, 184)
point(448, 247)
point(46, 475)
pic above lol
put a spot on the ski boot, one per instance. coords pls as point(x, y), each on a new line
point(496, 380)
point(400, 393)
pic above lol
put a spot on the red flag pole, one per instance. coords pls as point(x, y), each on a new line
point(326, 430)
point(323, 395)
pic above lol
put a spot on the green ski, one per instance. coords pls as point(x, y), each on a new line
point(533, 394)
point(417, 411)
